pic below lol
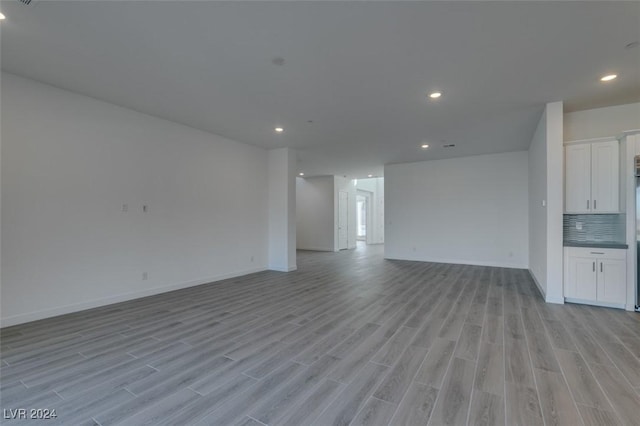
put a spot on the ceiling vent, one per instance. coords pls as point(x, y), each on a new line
point(449, 145)
point(27, 2)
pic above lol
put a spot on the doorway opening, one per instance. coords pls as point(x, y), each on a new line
point(369, 220)
point(343, 220)
point(363, 222)
point(361, 217)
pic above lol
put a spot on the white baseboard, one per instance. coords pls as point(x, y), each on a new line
point(76, 307)
point(283, 268)
point(540, 289)
point(595, 303)
point(315, 248)
point(463, 262)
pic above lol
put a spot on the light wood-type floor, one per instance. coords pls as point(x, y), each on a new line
point(349, 338)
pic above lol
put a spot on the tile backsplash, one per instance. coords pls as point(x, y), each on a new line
point(595, 227)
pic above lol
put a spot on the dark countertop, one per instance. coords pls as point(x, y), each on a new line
point(596, 244)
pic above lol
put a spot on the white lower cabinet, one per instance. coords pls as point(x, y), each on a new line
point(612, 281)
point(594, 275)
point(580, 281)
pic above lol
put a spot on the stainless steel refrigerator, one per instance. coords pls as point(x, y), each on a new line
point(637, 164)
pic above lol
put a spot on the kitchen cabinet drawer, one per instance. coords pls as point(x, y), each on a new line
point(590, 252)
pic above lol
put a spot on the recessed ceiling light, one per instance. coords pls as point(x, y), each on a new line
point(609, 77)
point(301, 174)
point(279, 129)
point(2, 17)
point(370, 175)
point(435, 95)
point(424, 146)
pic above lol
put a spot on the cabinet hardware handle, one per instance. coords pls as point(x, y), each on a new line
point(594, 266)
point(600, 266)
point(594, 204)
point(596, 252)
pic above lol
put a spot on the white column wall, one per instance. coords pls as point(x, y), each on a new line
point(282, 210)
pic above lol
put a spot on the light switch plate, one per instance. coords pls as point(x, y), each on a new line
point(579, 225)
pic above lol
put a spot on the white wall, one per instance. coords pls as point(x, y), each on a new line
point(545, 203)
point(70, 162)
point(375, 186)
point(315, 213)
point(555, 202)
point(537, 204)
point(470, 210)
point(601, 122)
point(282, 210)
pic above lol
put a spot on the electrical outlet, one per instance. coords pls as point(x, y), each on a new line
point(125, 208)
point(145, 208)
point(145, 276)
point(252, 258)
point(579, 225)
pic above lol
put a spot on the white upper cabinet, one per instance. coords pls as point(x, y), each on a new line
point(577, 178)
point(605, 177)
point(592, 177)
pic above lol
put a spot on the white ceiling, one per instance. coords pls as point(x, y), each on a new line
point(359, 70)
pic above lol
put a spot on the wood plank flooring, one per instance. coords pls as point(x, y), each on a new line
point(348, 339)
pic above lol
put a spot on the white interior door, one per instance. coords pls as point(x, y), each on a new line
point(343, 222)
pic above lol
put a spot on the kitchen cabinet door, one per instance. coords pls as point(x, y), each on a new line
point(581, 279)
point(578, 178)
point(612, 281)
point(605, 192)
